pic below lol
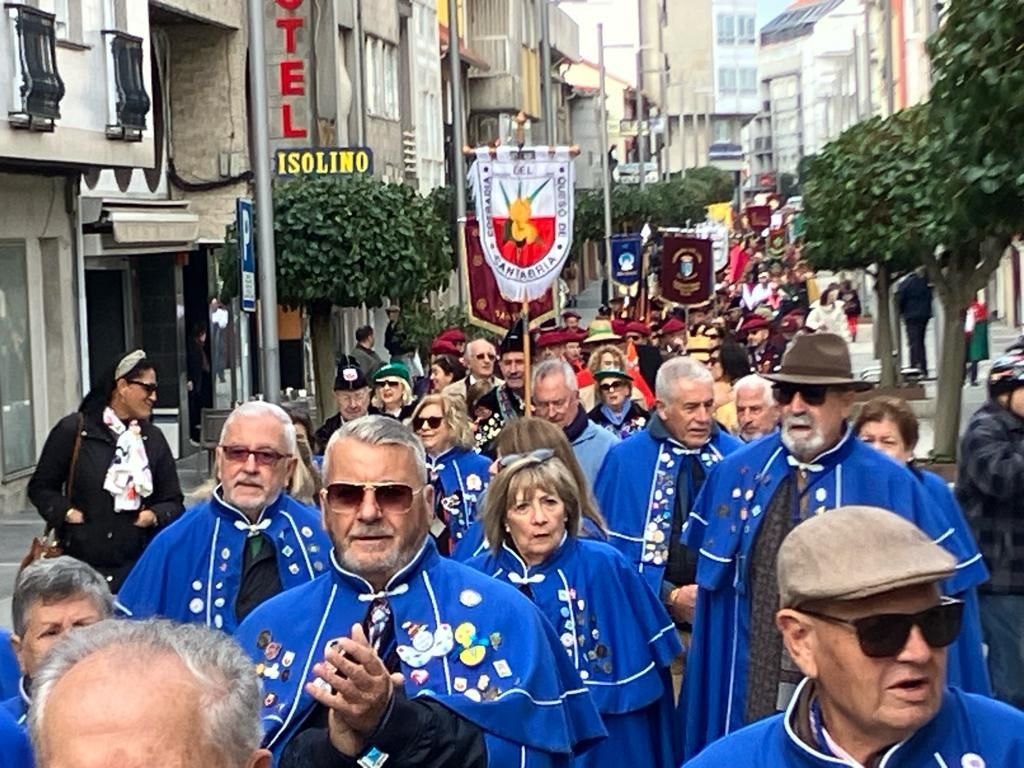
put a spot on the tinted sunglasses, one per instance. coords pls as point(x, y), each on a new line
point(885, 635)
point(485, 356)
point(434, 422)
point(387, 383)
point(812, 394)
point(265, 457)
point(608, 386)
point(151, 388)
point(390, 498)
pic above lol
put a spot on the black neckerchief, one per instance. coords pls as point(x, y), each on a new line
point(577, 425)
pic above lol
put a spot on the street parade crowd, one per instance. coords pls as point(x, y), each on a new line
point(679, 535)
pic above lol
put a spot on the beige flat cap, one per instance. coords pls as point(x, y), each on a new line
point(856, 552)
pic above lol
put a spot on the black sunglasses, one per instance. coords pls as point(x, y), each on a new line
point(485, 356)
point(885, 635)
point(427, 421)
point(812, 394)
point(608, 386)
point(390, 498)
point(150, 387)
point(265, 457)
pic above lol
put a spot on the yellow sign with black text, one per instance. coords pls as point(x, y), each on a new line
point(324, 161)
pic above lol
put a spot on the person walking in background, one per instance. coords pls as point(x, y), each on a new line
point(365, 356)
point(851, 306)
point(976, 330)
point(199, 380)
point(829, 315)
point(914, 298)
point(106, 478)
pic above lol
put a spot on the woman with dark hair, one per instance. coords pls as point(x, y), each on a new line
point(445, 371)
point(106, 479)
point(890, 425)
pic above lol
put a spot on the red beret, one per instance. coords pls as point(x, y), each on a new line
point(672, 327)
point(637, 327)
point(444, 347)
point(550, 339)
point(619, 327)
point(754, 323)
point(454, 335)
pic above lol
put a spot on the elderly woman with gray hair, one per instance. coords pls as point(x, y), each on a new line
point(617, 634)
point(51, 597)
point(106, 480)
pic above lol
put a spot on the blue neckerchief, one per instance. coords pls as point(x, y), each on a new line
point(192, 570)
point(613, 629)
point(616, 417)
point(476, 645)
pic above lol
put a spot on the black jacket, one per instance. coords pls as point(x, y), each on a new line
point(108, 541)
point(990, 488)
point(915, 298)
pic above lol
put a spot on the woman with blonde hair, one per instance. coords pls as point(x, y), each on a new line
point(616, 632)
point(392, 392)
point(459, 474)
point(607, 357)
point(522, 437)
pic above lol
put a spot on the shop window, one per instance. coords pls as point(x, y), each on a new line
point(37, 104)
point(17, 423)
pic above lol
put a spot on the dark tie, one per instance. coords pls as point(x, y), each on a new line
point(379, 626)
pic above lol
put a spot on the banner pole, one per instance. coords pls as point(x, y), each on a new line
point(527, 382)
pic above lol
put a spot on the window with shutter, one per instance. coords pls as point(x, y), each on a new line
point(132, 103)
point(39, 95)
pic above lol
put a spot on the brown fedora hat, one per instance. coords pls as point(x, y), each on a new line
point(817, 358)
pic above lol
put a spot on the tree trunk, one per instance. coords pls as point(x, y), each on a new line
point(883, 323)
point(951, 378)
point(323, 358)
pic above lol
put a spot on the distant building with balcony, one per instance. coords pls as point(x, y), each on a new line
point(77, 95)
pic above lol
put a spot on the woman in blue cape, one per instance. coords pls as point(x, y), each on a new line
point(459, 474)
point(889, 424)
point(616, 633)
point(521, 437)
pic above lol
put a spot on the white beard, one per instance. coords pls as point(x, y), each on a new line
point(804, 448)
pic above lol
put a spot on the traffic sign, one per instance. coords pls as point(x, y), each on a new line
point(246, 254)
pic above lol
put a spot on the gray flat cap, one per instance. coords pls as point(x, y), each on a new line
point(855, 552)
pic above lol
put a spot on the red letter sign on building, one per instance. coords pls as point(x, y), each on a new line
point(291, 72)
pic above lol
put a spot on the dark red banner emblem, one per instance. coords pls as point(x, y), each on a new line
point(687, 269)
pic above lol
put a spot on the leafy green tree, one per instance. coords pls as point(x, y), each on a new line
point(862, 211)
point(349, 241)
point(975, 172)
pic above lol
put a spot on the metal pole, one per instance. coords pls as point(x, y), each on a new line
point(458, 165)
point(890, 89)
point(867, 60)
point(359, 87)
point(606, 180)
point(266, 259)
point(640, 92)
point(547, 117)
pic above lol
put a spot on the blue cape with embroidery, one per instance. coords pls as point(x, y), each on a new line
point(192, 570)
point(723, 529)
point(633, 494)
point(476, 645)
point(463, 476)
point(10, 672)
point(969, 731)
point(617, 635)
point(966, 659)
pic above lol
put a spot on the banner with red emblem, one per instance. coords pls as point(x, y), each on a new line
point(687, 269)
point(524, 203)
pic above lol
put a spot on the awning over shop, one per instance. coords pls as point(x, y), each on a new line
point(124, 227)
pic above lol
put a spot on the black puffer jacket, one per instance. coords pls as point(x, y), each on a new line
point(109, 541)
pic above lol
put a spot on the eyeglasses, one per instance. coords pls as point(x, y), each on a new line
point(390, 498)
point(434, 422)
point(608, 386)
point(486, 356)
point(540, 456)
point(265, 457)
point(388, 383)
point(812, 394)
point(150, 387)
point(885, 635)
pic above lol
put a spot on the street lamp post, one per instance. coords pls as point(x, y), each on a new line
point(606, 181)
point(458, 140)
point(269, 354)
point(548, 119)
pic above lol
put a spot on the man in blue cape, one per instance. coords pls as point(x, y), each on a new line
point(650, 481)
point(863, 618)
point(402, 656)
point(737, 671)
point(249, 542)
